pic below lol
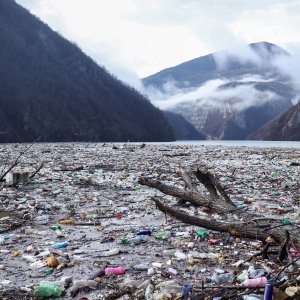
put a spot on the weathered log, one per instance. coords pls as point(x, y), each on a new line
point(80, 168)
point(213, 185)
point(234, 229)
point(187, 179)
point(283, 250)
point(193, 197)
point(220, 202)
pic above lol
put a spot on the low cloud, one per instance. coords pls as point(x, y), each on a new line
point(290, 67)
point(217, 93)
point(241, 53)
point(239, 92)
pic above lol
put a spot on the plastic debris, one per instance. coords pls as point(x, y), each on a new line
point(110, 224)
point(46, 289)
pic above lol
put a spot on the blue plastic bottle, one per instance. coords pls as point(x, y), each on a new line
point(144, 232)
point(268, 295)
point(186, 291)
point(60, 245)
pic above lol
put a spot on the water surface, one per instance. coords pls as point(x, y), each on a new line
point(235, 143)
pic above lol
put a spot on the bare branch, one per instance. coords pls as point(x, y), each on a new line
point(17, 159)
point(37, 170)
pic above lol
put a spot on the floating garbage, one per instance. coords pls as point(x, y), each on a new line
point(46, 289)
point(86, 215)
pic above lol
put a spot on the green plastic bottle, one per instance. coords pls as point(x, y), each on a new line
point(202, 234)
point(57, 230)
point(46, 289)
point(161, 237)
point(125, 241)
point(48, 272)
point(286, 222)
point(55, 227)
point(54, 183)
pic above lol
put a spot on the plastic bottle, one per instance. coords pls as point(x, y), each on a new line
point(268, 294)
point(144, 232)
point(29, 258)
point(67, 222)
point(257, 273)
point(55, 227)
point(42, 206)
point(251, 297)
point(222, 278)
point(202, 234)
point(286, 222)
point(9, 236)
point(42, 220)
point(184, 234)
point(60, 245)
point(111, 252)
point(150, 271)
point(116, 271)
point(274, 175)
point(161, 237)
point(186, 291)
point(243, 276)
point(57, 230)
point(261, 281)
point(173, 271)
point(44, 253)
point(149, 292)
point(46, 289)
point(135, 240)
point(157, 264)
point(180, 255)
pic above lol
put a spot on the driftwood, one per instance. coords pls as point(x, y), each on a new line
point(80, 168)
point(176, 154)
point(12, 227)
point(37, 170)
point(238, 223)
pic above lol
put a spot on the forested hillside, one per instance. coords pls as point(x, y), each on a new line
point(50, 88)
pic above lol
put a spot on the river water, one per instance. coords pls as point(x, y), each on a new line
point(243, 143)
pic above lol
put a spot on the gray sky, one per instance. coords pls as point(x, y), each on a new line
point(136, 38)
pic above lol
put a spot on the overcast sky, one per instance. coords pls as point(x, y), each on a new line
point(136, 38)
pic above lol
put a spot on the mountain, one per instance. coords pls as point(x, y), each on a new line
point(183, 130)
point(50, 88)
point(284, 127)
point(227, 94)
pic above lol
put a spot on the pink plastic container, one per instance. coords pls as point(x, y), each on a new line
point(261, 281)
point(116, 271)
point(294, 252)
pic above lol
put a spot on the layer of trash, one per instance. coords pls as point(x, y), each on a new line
point(77, 221)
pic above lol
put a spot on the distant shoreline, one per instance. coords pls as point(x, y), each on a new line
point(222, 143)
